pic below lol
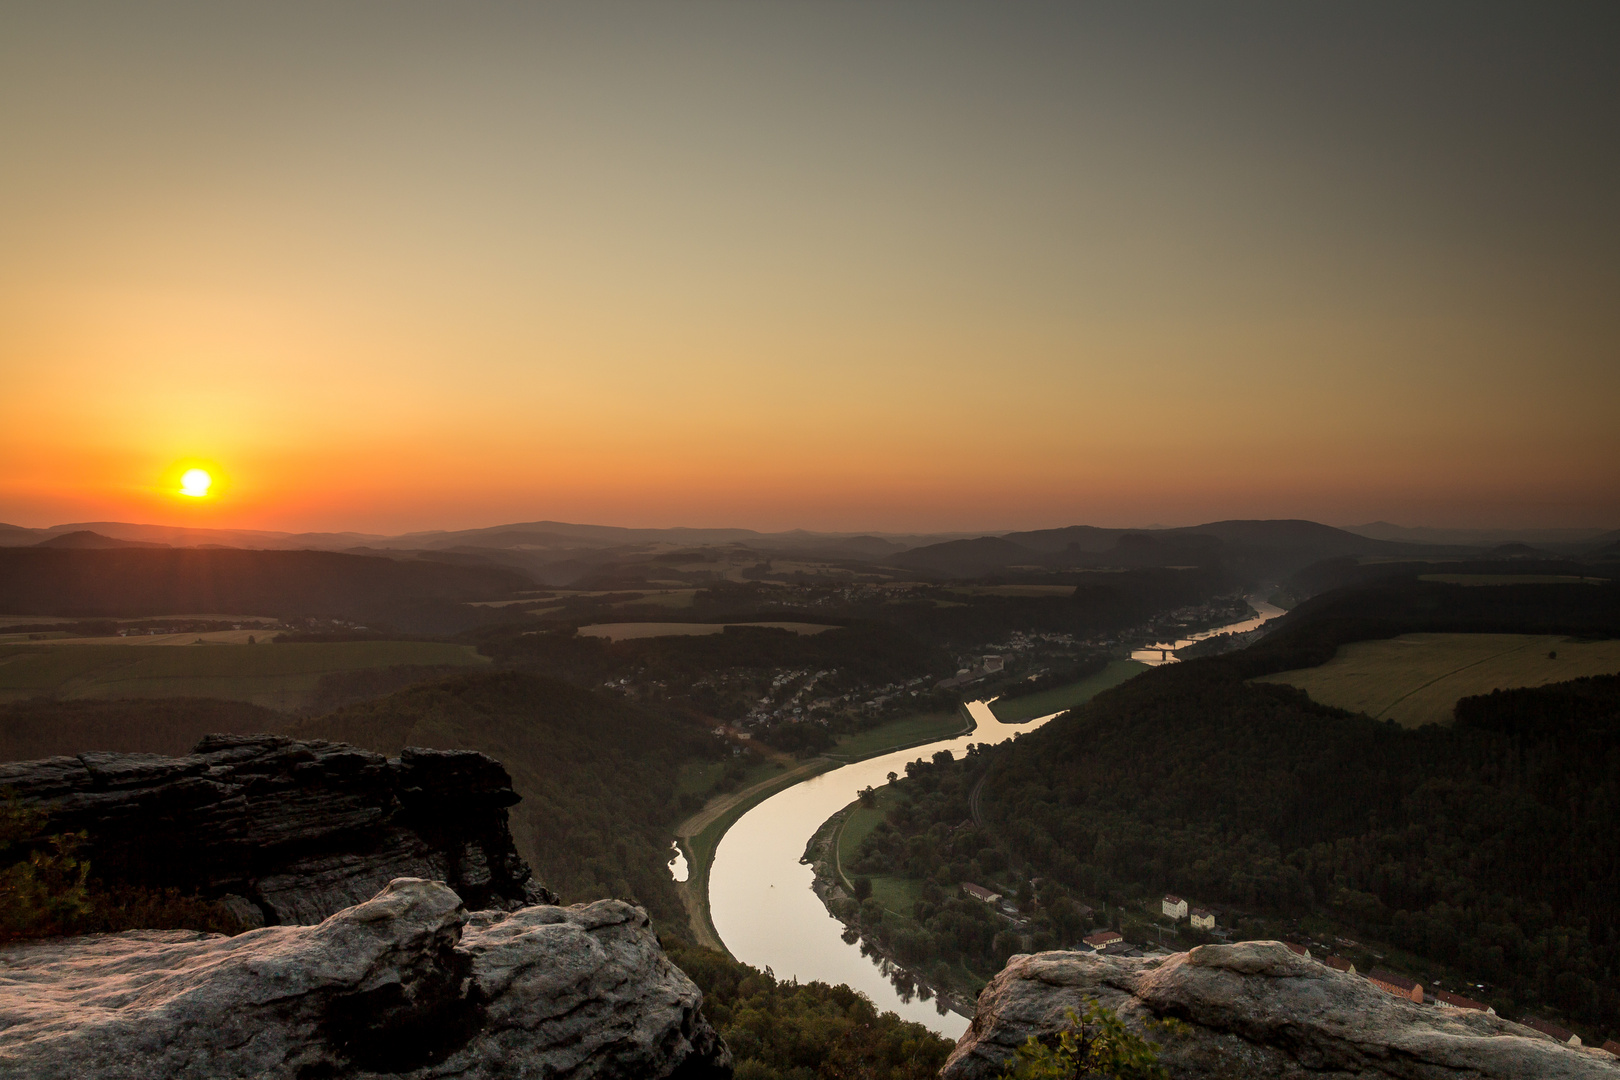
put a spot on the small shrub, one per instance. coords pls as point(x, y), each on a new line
point(1096, 1043)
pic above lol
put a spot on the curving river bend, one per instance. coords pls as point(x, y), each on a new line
point(759, 893)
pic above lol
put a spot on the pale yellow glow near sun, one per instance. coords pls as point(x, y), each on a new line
point(195, 483)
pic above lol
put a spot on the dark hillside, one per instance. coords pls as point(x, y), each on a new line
point(597, 776)
point(1309, 634)
point(85, 539)
point(965, 558)
point(40, 729)
point(1491, 846)
point(1257, 550)
point(136, 581)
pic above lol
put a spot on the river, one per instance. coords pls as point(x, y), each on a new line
point(759, 893)
point(1163, 652)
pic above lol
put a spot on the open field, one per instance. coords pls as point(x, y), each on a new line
point(1416, 679)
point(1013, 590)
point(1513, 579)
point(626, 631)
point(276, 676)
point(147, 620)
point(901, 734)
point(671, 598)
point(206, 637)
point(1059, 698)
point(857, 825)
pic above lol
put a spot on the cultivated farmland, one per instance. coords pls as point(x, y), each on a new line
point(626, 631)
point(1416, 679)
point(276, 676)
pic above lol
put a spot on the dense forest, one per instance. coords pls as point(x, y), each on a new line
point(598, 777)
point(44, 728)
point(797, 1031)
point(1491, 845)
point(865, 652)
point(144, 581)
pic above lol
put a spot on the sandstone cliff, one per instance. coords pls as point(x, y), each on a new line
point(1257, 1010)
point(405, 985)
point(291, 831)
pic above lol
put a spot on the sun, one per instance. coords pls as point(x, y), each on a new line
point(196, 483)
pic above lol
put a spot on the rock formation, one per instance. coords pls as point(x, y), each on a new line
point(406, 984)
point(286, 831)
point(1257, 1010)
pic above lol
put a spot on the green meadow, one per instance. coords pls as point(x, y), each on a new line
point(1417, 679)
point(1059, 698)
point(275, 676)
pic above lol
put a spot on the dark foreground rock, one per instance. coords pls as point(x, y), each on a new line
point(290, 831)
point(1257, 1010)
point(406, 985)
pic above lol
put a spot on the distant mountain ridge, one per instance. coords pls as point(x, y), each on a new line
point(563, 554)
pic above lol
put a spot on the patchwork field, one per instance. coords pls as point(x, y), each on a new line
point(205, 637)
point(1059, 698)
point(1013, 590)
point(1512, 579)
point(276, 676)
point(1416, 679)
point(625, 631)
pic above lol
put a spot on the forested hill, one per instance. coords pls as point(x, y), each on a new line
point(1492, 845)
point(597, 776)
point(134, 582)
point(1309, 634)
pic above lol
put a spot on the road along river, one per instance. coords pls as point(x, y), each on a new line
point(759, 893)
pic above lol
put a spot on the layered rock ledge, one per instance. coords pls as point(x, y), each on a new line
point(407, 984)
point(290, 831)
point(1256, 1009)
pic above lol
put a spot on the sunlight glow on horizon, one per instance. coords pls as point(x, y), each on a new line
point(909, 267)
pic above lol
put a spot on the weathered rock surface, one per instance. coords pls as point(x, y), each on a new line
point(1256, 1009)
point(406, 985)
point(291, 831)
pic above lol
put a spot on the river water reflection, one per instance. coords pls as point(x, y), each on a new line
point(759, 893)
point(1163, 652)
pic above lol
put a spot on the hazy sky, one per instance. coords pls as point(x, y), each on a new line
point(834, 265)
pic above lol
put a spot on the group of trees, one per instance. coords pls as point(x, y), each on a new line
point(598, 776)
point(797, 1031)
point(1492, 845)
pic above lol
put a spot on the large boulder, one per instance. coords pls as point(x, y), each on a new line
point(291, 831)
point(1256, 1009)
point(406, 984)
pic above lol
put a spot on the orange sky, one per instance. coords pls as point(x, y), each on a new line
point(406, 266)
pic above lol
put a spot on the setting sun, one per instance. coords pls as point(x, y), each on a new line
point(195, 483)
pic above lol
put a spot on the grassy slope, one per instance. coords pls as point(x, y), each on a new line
point(38, 729)
point(1417, 679)
point(277, 676)
point(598, 777)
point(1059, 698)
point(900, 734)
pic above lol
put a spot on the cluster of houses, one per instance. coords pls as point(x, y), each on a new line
point(1402, 987)
point(1112, 943)
point(1176, 908)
